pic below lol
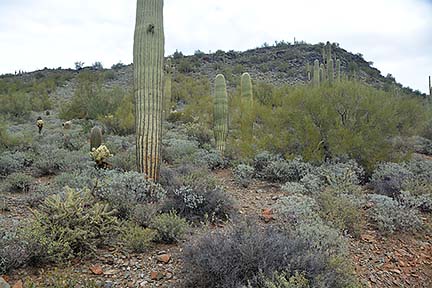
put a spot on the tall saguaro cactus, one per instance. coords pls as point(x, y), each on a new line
point(148, 59)
point(338, 70)
point(330, 70)
point(316, 73)
point(220, 113)
point(246, 115)
point(430, 89)
point(167, 89)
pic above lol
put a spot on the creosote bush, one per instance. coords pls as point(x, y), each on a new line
point(136, 238)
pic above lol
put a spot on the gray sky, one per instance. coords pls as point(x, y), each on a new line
point(395, 34)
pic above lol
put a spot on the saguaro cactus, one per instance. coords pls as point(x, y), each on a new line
point(148, 60)
point(430, 89)
point(330, 71)
point(167, 89)
point(322, 73)
point(316, 73)
point(95, 138)
point(220, 113)
point(246, 121)
point(338, 70)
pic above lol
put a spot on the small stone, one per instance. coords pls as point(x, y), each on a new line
point(18, 284)
point(143, 284)
point(274, 198)
point(165, 258)
point(154, 275)
point(267, 214)
point(3, 283)
point(108, 284)
point(96, 269)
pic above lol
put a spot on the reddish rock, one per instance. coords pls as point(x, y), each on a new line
point(267, 214)
point(154, 275)
point(165, 258)
point(5, 278)
point(18, 284)
point(96, 269)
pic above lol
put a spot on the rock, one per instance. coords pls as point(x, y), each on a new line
point(267, 214)
point(96, 269)
point(3, 283)
point(110, 272)
point(165, 258)
point(18, 284)
point(154, 275)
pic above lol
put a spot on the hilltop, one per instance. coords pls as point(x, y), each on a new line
point(282, 63)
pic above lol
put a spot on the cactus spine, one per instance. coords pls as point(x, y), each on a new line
point(316, 73)
point(220, 113)
point(148, 58)
point(167, 90)
point(95, 138)
point(338, 70)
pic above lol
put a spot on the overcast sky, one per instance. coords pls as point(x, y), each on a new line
point(395, 34)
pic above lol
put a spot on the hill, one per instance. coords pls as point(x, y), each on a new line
point(283, 63)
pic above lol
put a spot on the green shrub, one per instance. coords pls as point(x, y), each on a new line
point(390, 216)
point(170, 227)
point(124, 190)
point(340, 212)
point(69, 225)
point(243, 174)
point(12, 251)
point(60, 279)
point(388, 178)
point(281, 280)
point(137, 239)
point(12, 162)
point(17, 182)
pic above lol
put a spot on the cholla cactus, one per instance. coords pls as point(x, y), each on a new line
point(100, 154)
point(39, 124)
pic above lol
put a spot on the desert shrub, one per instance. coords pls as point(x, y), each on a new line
point(298, 208)
point(143, 214)
point(198, 132)
point(422, 145)
point(261, 161)
point(69, 225)
point(198, 197)
point(421, 169)
point(388, 179)
point(78, 179)
point(243, 174)
point(390, 216)
point(170, 227)
point(168, 178)
point(282, 280)
point(124, 161)
point(50, 160)
point(136, 238)
point(423, 202)
point(12, 252)
point(61, 279)
point(12, 162)
point(278, 171)
point(176, 150)
point(244, 254)
point(17, 182)
point(294, 187)
point(342, 174)
point(209, 158)
point(340, 212)
point(313, 183)
point(124, 190)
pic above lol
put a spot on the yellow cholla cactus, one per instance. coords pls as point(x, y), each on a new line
point(100, 154)
point(40, 123)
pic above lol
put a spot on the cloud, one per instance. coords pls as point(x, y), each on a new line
point(395, 34)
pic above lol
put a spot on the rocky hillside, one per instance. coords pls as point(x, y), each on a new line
point(282, 63)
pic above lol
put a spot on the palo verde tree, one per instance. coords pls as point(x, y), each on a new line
point(148, 60)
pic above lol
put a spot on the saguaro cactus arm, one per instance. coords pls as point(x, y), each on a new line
point(148, 59)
